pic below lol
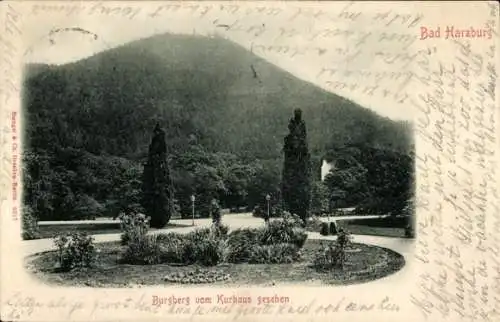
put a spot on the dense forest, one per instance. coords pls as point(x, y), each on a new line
point(225, 113)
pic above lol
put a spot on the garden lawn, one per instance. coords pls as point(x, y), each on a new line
point(364, 263)
point(387, 227)
point(373, 231)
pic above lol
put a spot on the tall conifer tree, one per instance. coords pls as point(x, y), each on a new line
point(296, 184)
point(157, 193)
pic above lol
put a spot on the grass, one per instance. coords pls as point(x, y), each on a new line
point(50, 231)
point(364, 263)
point(387, 227)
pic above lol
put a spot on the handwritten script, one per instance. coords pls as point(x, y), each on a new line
point(24, 305)
point(458, 237)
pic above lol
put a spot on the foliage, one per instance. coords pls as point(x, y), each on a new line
point(375, 180)
point(282, 253)
point(296, 185)
point(133, 226)
point(324, 229)
point(240, 243)
point(29, 224)
point(333, 254)
point(75, 250)
point(157, 189)
point(215, 212)
point(220, 230)
point(319, 198)
point(143, 250)
point(410, 228)
point(286, 230)
point(205, 246)
point(333, 228)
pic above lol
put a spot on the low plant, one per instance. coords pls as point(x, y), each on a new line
point(197, 276)
point(240, 243)
point(205, 246)
point(409, 231)
point(133, 226)
point(220, 230)
point(287, 230)
point(333, 228)
point(324, 229)
point(143, 250)
point(274, 254)
point(333, 254)
point(75, 250)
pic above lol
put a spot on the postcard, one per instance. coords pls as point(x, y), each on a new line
point(253, 160)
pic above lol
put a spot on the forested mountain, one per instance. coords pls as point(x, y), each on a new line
point(204, 92)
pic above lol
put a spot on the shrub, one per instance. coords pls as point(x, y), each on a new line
point(210, 252)
point(75, 250)
point(240, 243)
point(285, 230)
point(205, 246)
point(324, 229)
point(333, 255)
point(29, 224)
point(409, 231)
point(220, 230)
point(333, 228)
point(344, 239)
point(274, 254)
point(173, 248)
point(327, 257)
point(133, 226)
point(143, 250)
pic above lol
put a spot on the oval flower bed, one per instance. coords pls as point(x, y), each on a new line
point(274, 254)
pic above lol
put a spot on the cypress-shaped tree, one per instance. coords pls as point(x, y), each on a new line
point(296, 182)
point(156, 191)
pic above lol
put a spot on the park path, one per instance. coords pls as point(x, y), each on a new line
point(400, 245)
point(238, 217)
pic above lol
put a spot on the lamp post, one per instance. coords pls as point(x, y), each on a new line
point(193, 198)
point(268, 198)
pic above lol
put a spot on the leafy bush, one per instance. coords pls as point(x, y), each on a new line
point(240, 243)
point(143, 250)
point(285, 230)
point(344, 239)
point(30, 224)
point(210, 252)
point(333, 255)
point(409, 231)
point(324, 229)
point(274, 254)
point(205, 246)
point(133, 226)
point(333, 228)
point(75, 250)
point(220, 230)
point(173, 248)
